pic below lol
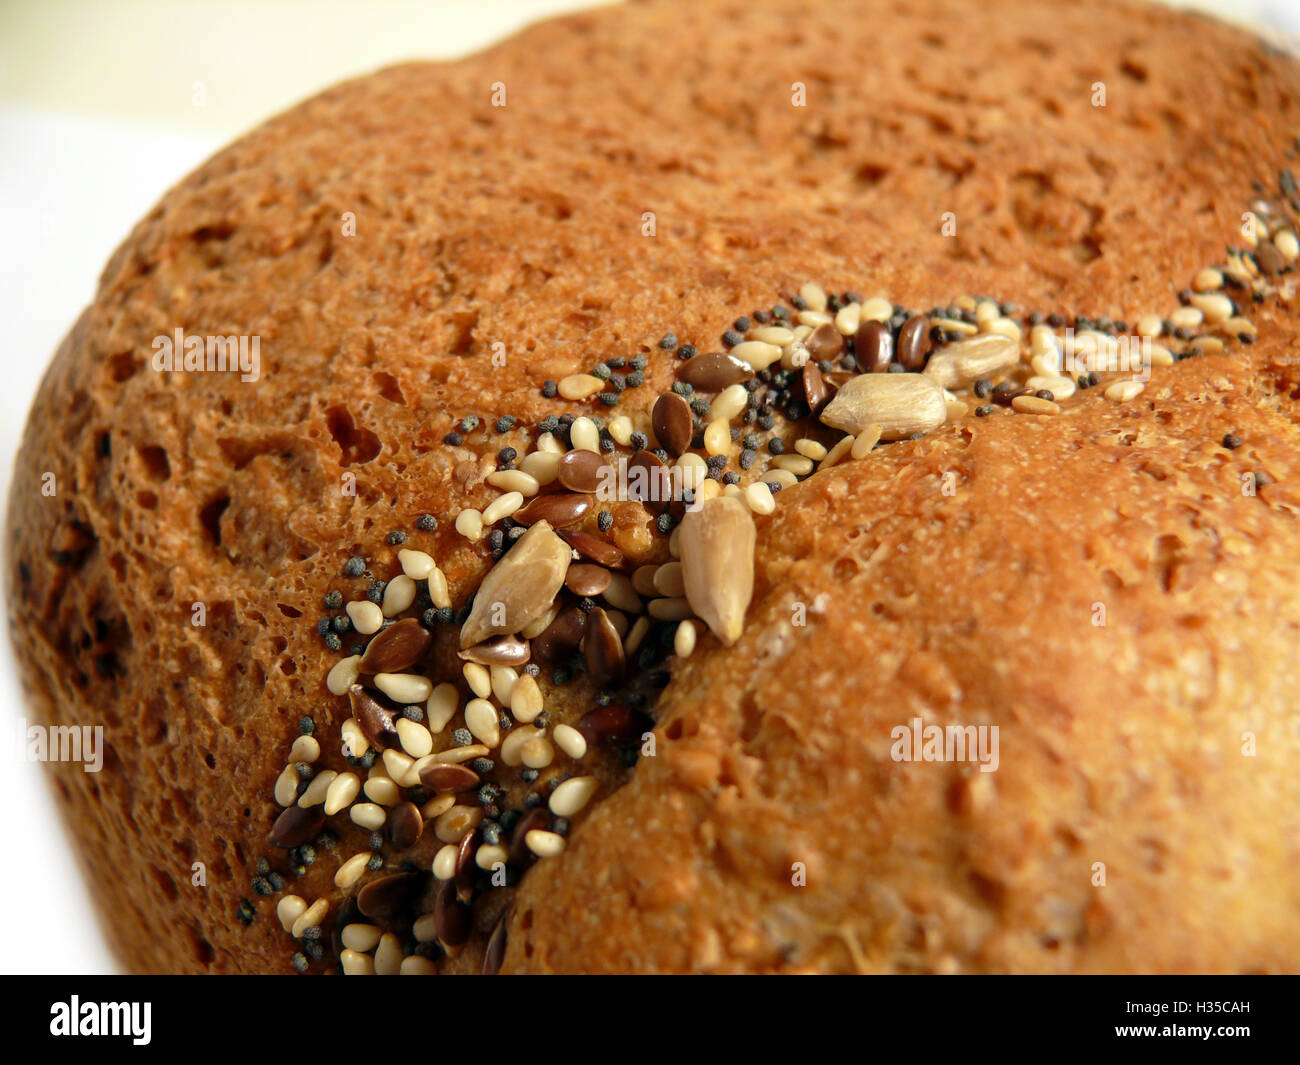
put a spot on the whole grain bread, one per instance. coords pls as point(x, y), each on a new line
point(410, 253)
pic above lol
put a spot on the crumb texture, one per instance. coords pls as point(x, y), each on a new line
point(954, 578)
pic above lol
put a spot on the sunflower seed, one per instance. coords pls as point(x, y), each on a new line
point(717, 544)
point(963, 363)
point(900, 403)
point(519, 588)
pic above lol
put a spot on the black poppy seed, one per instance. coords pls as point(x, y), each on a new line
point(766, 422)
point(741, 324)
point(776, 446)
point(342, 624)
point(1232, 441)
point(560, 826)
point(983, 387)
point(375, 593)
point(395, 538)
point(262, 866)
point(549, 424)
point(376, 861)
point(529, 776)
point(665, 523)
point(983, 411)
point(1056, 320)
point(426, 523)
point(469, 423)
point(661, 455)
point(635, 379)
point(775, 486)
point(324, 627)
point(333, 600)
point(683, 388)
point(798, 303)
point(369, 758)
point(668, 341)
point(355, 566)
point(1045, 393)
point(1262, 479)
point(299, 962)
point(506, 422)
point(550, 389)
point(617, 384)
point(261, 886)
point(453, 439)
point(245, 913)
point(506, 456)
point(333, 643)
point(604, 520)
point(601, 370)
point(610, 399)
point(462, 737)
point(307, 854)
point(482, 766)
point(276, 881)
point(731, 338)
point(413, 713)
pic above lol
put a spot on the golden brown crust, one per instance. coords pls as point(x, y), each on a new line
point(522, 225)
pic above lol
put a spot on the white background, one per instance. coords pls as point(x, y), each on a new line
point(103, 106)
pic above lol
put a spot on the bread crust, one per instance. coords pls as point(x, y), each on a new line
point(953, 578)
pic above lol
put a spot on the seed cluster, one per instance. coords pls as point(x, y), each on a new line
point(461, 782)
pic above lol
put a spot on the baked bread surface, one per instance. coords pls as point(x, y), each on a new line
point(954, 578)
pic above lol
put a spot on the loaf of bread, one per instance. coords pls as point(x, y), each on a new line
point(955, 647)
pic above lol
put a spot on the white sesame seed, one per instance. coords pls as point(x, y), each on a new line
point(361, 937)
point(513, 481)
point(669, 609)
point(482, 719)
point(1161, 356)
point(782, 477)
point(368, 815)
point(643, 580)
point(814, 296)
point(342, 675)
point(549, 443)
point(310, 918)
point(502, 507)
point(489, 855)
point(835, 454)
point(441, 707)
point(814, 318)
point(437, 806)
point(542, 466)
point(354, 739)
point(417, 965)
point(692, 470)
point(729, 403)
point(572, 795)
point(1207, 280)
point(400, 766)
point(388, 955)
point(457, 823)
point(778, 335)
point(544, 844)
point(356, 964)
point(570, 740)
point(759, 498)
point(316, 790)
point(456, 755)
point(382, 790)
point(584, 435)
point(986, 311)
point(525, 699)
point(877, 309)
point(351, 871)
point(415, 564)
point(684, 639)
point(848, 318)
point(286, 786)
point(304, 749)
point(620, 429)
point(366, 616)
point(399, 594)
point(439, 593)
point(1288, 245)
point(635, 636)
point(717, 437)
point(414, 737)
point(1060, 386)
point(404, 688)
point(469, 523)
point(425, 928)
point(444, 862)
point(579, 386)
point(342, 790)
point(1123, 391)
point(799, 465)
point(668, 579)
point(703, 493)
point(513, 744)
point(504, 679)
point(1214, 305)
point(478, 678)
point(537, 753)
point(1187, 317)
point(289, 909)
point(1035, 405)
point(810, 449)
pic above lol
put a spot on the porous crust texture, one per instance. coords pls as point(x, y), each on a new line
point(954, 578)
